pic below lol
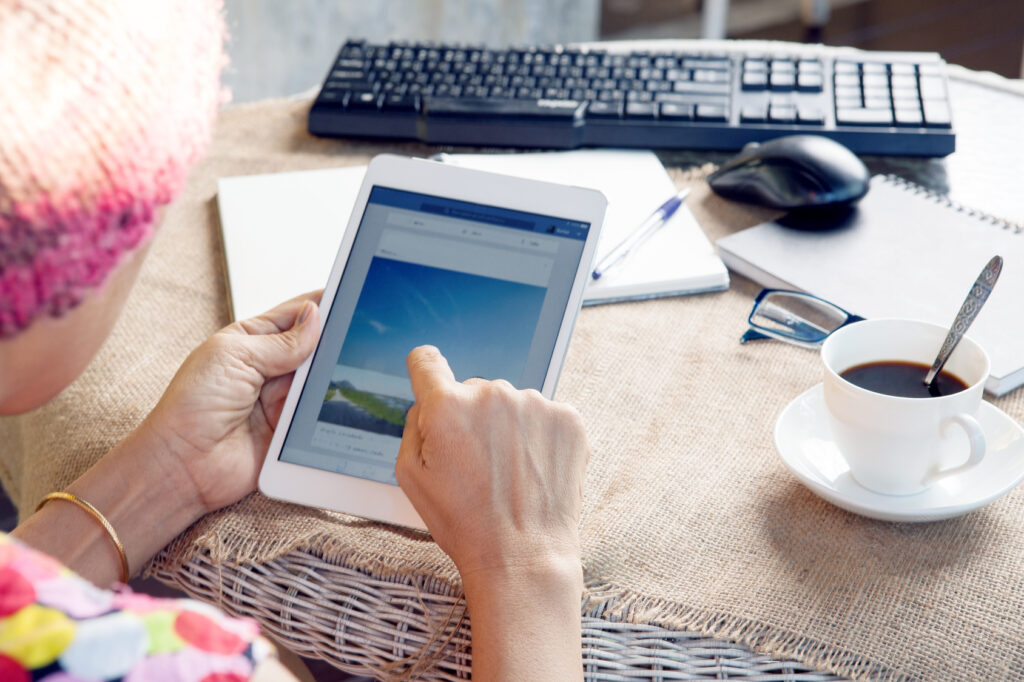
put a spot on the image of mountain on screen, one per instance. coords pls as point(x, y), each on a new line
point(346, 405)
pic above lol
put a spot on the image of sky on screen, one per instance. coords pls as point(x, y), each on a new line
point(482, 325)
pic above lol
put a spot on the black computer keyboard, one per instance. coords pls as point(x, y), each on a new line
point(563, 97)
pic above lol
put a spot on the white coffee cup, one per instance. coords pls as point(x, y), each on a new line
point(896, 445)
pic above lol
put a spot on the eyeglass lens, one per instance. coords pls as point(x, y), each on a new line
point(798, 316)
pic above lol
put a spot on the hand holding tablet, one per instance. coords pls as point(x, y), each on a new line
point(488, 268)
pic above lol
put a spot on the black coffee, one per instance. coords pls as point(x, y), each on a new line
point(903, 379)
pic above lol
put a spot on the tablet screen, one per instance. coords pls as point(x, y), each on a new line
point(487, 285)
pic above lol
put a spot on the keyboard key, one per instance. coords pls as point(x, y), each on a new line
point(909, 117)
point(904, 93)
point(362, 100)
point(355, 64)
point(683, 98)
point(863, 117)
point(809, 66)
point(875, 80)
point(782, 113)
point(755, 113)
point(397, 102)
point(809, 82)
point(846, 67)
point(902, 69)
point(810, 114)
point(677, 112)
point(877, 103)
point(647, 110)
point(709, 76)
point(904, 100)
point(334, 97)
point(755, 80)
point(711, 112)
point(349, 85)
point(543, 109)
point(847, 80)
point(848, 92)
point(783, 66)
point(604, 109)
point(904, 82)
point(701, 88)
point(717, 64)
point(755, 65)
point(347, 75)
point(873, 68)
point(936, 113)
point(932, 87)
point(782, 81)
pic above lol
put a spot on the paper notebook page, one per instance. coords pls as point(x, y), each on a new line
point(903, 255)
point(677, 256)
point(282, 231)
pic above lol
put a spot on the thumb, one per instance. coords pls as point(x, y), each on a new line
point(275, 354)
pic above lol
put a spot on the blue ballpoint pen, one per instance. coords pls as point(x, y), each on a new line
point(640, 235)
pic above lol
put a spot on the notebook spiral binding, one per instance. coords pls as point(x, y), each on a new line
point(913, 187)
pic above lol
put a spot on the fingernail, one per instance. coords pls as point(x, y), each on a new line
point(307, 308)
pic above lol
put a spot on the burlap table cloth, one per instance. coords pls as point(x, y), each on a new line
point(690, 520)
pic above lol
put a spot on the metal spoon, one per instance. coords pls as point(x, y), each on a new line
point(980, 290)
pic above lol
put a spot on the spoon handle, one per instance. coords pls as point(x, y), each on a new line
point(968, 311)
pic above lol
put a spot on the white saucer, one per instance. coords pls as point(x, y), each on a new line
point(804, 440)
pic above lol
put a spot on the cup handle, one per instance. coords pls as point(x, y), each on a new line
point(977, 440)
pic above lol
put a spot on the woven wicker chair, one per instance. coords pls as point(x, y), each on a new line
point(398, 629)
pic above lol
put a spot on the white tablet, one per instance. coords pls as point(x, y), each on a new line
point(488, 268)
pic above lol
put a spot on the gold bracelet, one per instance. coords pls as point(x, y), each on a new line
point(95, 513)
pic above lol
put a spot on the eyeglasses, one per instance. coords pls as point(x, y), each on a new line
point(795, 317)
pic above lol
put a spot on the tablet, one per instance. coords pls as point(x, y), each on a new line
point(488, 268)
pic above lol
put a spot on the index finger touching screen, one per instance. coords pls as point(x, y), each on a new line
point(428, 370)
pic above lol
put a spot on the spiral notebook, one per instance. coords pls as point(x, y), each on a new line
point(905, 252)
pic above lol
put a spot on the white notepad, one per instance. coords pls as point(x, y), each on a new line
point(677, 259)
point(281, 231)
point(906, 253)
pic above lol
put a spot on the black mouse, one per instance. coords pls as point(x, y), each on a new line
point(805, 173)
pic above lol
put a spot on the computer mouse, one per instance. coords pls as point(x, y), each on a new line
point(800, 173)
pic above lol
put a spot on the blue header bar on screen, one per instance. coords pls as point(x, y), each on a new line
point(481, 213)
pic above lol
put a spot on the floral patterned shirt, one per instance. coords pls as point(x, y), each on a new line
point(57, 627)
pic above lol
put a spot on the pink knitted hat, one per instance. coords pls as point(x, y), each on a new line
point(104, 104)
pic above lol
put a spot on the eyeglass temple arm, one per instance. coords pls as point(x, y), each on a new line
point(754, 335)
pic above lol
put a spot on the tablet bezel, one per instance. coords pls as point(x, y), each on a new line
point(381, 501)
